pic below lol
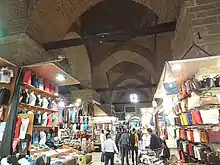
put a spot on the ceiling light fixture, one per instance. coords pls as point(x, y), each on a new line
point(79, 100)
point(133, 98)
point(61, 77)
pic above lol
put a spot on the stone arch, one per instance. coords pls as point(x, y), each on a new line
point(143, 51)
point(127, 76)
point(50, 20)
point(118, 57)
point(79, 61)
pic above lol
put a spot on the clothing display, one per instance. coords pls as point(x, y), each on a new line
point(4, 96)
point(27, 77)
point(45, 103)
point(24, 126)
point(24, 96)
point(32, 99)
point(6, 75)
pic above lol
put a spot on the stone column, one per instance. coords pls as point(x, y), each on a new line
point(199, 23)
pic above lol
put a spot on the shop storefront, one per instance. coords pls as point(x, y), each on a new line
point(33, 116)
point(190, 91)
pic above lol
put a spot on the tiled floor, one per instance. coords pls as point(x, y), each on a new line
point(96, 157)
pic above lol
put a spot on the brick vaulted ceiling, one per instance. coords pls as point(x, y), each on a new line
point(51, 20)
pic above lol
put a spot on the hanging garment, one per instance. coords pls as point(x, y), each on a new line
point(44, 103)
point(6, 75)
point(56, 91)
point(51, 88)
point(27, 77)
point(41, 83)
point(1, 113)
point(35, 138)
point(32, 99)
point(43, 138)
point(49, 120)
point(35, 81)
point(55, 120)
point(24, 127)
point(66, 115)
point(4, 96)
point(24, 96)
point(49, 103)
point(46, 85)
point(44, 119)
point(37, 118)
point(18, 127)
point(55, 106)
point(38, 101)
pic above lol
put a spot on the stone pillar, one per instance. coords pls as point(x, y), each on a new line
point(199, 23)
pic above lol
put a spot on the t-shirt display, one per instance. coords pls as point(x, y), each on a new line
point(24, 96)
point(35, 81)
point(45, 103)
point(6, 75)
point(24, 127)
point(32, 99)
point(4, 96)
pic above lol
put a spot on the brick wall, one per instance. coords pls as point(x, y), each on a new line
point(199, 23)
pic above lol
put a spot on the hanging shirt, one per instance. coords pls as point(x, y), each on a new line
point(25, 96)
point(35, 81)
point(44, 119)
point(32, 99)
point(6, 75)
point(55, 106)
point(55, 120)
point(43, 138)
point(49, 121)
point(4, 96)
point(37, 118)
point(49, 103)
point(27, 77)
point(35, 137)
point(24, 127)
point(41, 83)
point(44, 103)
point(18, 127)
point(38, 101)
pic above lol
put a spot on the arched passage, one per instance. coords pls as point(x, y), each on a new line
point(79, 61)
point(50, 19)
point(119, 57)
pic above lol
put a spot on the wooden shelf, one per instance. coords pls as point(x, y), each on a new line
point(43, 93)
point(30, 107)
point(45, 127)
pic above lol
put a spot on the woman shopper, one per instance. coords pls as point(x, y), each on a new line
point(109, 148)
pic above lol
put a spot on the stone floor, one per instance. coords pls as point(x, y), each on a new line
point(96, 157)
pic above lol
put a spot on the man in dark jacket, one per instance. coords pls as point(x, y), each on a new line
point(155, 142)
point(117, 138)
point(134, 145)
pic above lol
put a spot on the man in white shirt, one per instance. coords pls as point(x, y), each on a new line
point(109, 148)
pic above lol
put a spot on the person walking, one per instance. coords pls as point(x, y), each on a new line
point(117, 138)
point(155, 142)
point(124, 143)
point(134, 146)
point(102, 140)
point(109, 148)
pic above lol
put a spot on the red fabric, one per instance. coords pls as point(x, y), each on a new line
point(51, 88)
point(191, 151)
point(49, 121)
point(27, 77)
point(18, 127)
point(46, 86)
point(192, 135)
point(198, 117)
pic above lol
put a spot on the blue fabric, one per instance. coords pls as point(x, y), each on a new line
point(189, 118)
point(35, 137)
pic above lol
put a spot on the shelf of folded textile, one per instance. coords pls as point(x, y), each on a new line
point(35, 108)
point(43, 93)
